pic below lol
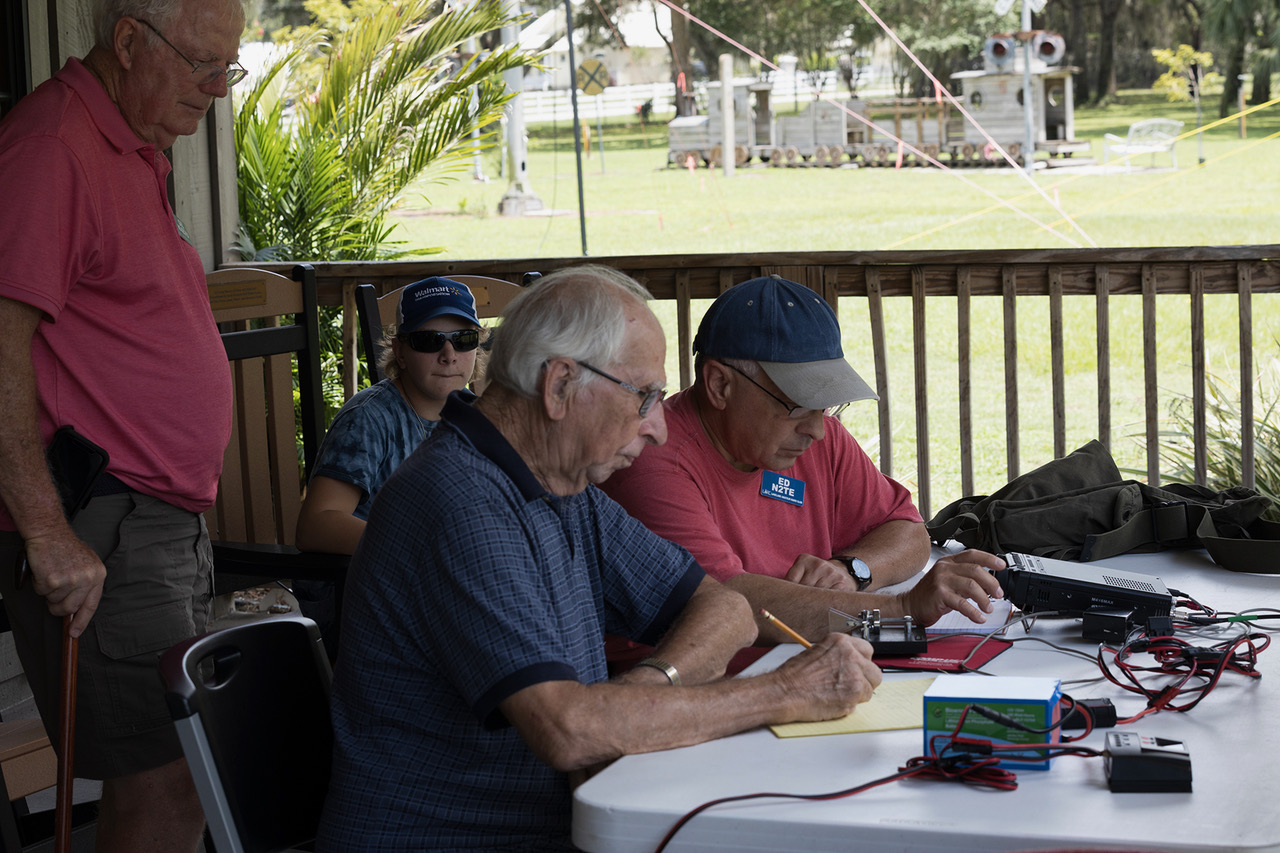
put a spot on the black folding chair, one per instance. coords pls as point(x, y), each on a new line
point(251, 705)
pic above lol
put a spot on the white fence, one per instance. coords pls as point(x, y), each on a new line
point(547, 105)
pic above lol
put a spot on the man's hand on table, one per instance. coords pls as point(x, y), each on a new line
point(816, 572)
point(960, 582)
point(830, 678)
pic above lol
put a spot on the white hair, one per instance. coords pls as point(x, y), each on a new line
point(161, 14)
point(576, 312)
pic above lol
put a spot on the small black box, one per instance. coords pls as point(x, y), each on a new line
point(1138, 764)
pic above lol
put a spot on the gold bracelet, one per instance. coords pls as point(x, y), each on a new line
point(665, 668)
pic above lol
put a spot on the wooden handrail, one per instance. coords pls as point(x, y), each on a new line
point(1152, 274)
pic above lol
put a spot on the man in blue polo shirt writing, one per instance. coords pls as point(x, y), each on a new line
point(473, 685)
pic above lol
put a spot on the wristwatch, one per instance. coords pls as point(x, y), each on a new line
point(858, 570)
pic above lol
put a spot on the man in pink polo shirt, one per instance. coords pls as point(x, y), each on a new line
point(105, 326)
point(769, 491)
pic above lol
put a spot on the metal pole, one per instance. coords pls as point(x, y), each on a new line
point(1029, 150)
point(728, 143)
point(1240, 91)
point(519, 197)
point(577, 127)
point(600, 132)
point(477, 166)
point(1197, 81)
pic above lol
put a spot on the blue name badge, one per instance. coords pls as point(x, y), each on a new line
point(786, 489)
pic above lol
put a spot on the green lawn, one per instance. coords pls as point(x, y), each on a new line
point(636, 205)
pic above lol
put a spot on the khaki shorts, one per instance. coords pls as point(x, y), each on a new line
point(157, 593)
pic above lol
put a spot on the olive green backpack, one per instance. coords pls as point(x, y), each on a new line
point(1079, 508)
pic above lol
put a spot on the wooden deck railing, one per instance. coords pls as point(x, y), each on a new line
point(877, 284)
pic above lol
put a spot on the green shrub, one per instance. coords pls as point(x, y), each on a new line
point(1224, 436)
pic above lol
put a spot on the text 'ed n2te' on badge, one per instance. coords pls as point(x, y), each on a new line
point(786, 489)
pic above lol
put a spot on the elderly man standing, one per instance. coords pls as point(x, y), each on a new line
point(473, 680)
point(771, 494)
point(105, 326)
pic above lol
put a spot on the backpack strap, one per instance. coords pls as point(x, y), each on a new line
point(957, 521)
point(1168, 524)
point(1179, 524)
point(1259, 552)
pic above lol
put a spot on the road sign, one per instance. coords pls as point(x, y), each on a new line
point(592, 77)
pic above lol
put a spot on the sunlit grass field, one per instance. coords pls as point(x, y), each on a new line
point(636, 205)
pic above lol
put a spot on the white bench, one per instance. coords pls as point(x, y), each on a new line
point(1150, 136)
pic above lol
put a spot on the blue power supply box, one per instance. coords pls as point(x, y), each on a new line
point(1033, 702)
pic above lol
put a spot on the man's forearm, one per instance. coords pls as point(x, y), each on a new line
point(26, 488)
point(715, 624)
point(895, 551)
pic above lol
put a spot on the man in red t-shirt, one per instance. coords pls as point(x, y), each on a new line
point(771, 494)
point(105, 326)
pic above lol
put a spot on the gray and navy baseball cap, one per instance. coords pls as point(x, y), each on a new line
point(794, 335)
point(434, 297)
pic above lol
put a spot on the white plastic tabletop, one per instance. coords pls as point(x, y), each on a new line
point(1232, 736)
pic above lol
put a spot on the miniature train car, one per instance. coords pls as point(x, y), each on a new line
point(867, 132)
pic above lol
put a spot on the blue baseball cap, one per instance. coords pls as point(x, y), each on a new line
point(434, 297)
point(791, 332)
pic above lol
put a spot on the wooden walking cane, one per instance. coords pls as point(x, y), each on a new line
point(66, 739)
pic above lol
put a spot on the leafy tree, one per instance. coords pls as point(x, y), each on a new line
point(948, 36)
point(1184, 79)
point(1246, 33)
point(354, 109)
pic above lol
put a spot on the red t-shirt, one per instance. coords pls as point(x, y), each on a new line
point(687, 492)
point(128, 352)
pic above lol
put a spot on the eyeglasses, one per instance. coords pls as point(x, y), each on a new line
point(204, 72)
point(793, 411)
point(647, 398)
point(424, 340)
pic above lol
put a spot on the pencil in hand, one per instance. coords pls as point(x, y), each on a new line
point(785, 628)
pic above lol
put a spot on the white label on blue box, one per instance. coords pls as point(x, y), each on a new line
point(780, 488)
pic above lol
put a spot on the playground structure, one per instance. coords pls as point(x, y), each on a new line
point(826, 133)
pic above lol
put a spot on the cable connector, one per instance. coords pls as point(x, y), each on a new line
point(970, 745)
point(1102, 711)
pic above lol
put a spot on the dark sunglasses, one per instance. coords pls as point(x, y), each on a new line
point(423, 340)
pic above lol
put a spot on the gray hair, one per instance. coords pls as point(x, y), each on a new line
point(750, 368)
point(576, 312)
point(106, 13)
point(162, 14)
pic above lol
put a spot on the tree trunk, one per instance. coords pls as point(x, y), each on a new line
point(1195, 27)
point(1110, 10)
point(1262, 67)
point(680, 60)
point(1078, 51)
point(1231, 69)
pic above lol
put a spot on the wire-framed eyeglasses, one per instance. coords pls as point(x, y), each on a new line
point(647, 398)
point(204, 72)
point(793, 411)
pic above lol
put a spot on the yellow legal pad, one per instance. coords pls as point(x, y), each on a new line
point(895, 705)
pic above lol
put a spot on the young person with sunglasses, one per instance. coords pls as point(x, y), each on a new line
point(431, 353)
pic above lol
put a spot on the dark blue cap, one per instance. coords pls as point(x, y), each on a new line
point(434, 297)
point(794, 335)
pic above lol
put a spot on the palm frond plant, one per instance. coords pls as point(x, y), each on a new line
point(1224, 436)
point(324, 157)
point(352, 110)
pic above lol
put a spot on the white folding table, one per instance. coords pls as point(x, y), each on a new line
point(1231, 735)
